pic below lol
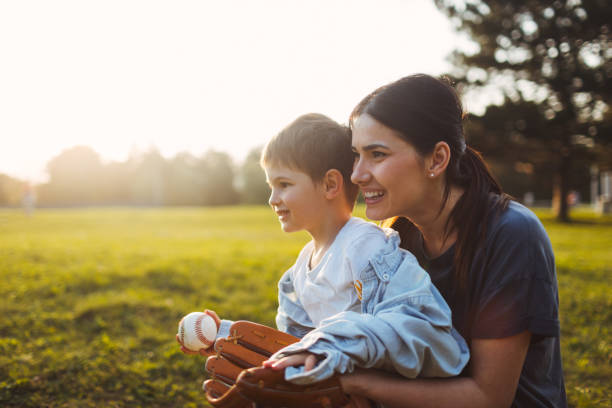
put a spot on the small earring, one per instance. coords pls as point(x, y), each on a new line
point(431, 174)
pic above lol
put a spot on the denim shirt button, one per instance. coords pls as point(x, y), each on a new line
point(385, 277)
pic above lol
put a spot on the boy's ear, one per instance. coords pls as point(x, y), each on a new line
point(333, 183)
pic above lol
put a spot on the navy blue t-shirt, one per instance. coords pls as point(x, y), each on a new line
point(511, 287)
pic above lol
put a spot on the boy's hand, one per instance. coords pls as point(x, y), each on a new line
point(308, 360)
point(203, 352)
point(210, 351)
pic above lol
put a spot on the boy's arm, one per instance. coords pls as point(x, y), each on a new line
point(410, 344)
point(291, 317)
point(409, 331)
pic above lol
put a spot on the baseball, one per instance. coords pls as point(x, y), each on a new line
point(197, 331)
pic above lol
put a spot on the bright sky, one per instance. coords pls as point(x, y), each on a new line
point(194, 75)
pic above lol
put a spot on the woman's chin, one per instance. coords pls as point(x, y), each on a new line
point(375, 214)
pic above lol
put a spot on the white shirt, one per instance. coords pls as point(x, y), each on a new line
point(329, 288)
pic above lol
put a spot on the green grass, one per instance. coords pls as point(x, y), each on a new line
point(90, 299)
point(583, 253)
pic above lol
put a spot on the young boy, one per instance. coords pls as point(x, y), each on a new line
point(353, 296)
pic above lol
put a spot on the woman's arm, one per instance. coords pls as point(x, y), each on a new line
point(496, 366)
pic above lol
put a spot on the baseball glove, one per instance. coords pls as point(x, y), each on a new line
point(268, 387)
point(248, 345)
point(238, 381)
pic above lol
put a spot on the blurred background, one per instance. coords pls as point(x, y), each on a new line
point(160, 104)
point(131, 192)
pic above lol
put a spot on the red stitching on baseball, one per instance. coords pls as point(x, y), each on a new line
point(214, 317)
point(198, 330)
point(182, 332)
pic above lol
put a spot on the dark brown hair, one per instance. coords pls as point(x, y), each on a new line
point(314, 144)
point(425, 110)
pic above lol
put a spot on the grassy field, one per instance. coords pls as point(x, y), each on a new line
point(90, 299)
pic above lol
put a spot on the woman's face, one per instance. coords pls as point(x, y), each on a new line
point(389, 171)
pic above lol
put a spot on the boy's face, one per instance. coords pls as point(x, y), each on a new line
point(296, 199)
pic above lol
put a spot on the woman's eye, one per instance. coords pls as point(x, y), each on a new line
point(378, 155)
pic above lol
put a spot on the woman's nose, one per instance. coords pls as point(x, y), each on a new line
point(360, 174)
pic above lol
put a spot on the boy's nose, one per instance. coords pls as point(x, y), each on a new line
point(273, 200)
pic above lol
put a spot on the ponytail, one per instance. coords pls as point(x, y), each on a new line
point(482, 197)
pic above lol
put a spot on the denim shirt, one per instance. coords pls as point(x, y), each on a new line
point(404, 326)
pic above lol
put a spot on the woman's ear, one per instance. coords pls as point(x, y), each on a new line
point(332, 183)
point(438, 160)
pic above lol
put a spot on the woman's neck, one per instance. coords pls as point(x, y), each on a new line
point(435, 225)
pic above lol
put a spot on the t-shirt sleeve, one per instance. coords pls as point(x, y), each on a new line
point(518, 290)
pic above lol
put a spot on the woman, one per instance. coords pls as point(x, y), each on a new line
point(489, 256)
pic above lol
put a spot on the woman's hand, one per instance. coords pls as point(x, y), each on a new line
point(308, 360)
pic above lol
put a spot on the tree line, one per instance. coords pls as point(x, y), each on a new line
point(78, 177)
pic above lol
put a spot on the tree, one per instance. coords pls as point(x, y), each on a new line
point(556, 55)
point(74, 178)
point(148, 172)
point(253, 184)
point(116, 184)
point(216, 174)
point(11, 190)
point(184, 180)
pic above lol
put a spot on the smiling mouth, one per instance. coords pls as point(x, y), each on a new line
point(372, 197)
point(282, 214)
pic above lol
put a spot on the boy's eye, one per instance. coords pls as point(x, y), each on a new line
point(283, 184)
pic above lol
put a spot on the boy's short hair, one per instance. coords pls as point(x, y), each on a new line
point(314, 144)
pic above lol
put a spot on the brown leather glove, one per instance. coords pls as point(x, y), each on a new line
point(269, 388)
point(248, 345)
point(237, 380)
